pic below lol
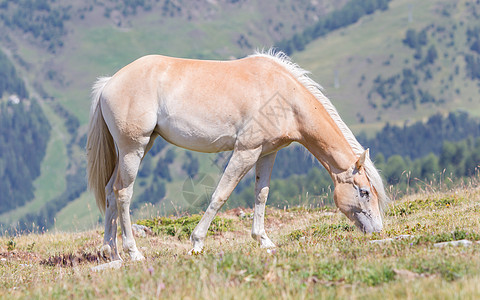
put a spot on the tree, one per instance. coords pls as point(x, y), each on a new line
point(191, 165)
point(431, 55)
point(394, 169)
point(146, 169)
point(476, 46)
point(411, 39)
point(162, 170)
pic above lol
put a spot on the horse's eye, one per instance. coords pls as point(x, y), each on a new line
point(364, 193)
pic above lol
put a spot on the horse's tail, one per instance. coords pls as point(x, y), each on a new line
point(101, 150)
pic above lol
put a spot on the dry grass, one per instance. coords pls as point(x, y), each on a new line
point(318, 256)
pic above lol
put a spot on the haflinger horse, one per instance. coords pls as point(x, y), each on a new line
point(252, 106)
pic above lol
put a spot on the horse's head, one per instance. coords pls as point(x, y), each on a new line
point(356, 197)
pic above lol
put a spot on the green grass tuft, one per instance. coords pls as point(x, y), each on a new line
point(410, 207)
point(184, 226)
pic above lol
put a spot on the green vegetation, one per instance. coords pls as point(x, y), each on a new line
point(9, 80)
point(410, 207)
point(472, 60)
point(24, 134)
point(183, 227)
point(321, 230)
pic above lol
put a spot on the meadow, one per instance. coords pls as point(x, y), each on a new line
point(319, 255)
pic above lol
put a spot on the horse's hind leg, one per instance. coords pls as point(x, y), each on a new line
point(128, 164)
point(109, 249)
point(240, 163)
point(263, 172)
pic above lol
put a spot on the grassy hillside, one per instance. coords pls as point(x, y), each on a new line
point(356, 55)
point(319, 255)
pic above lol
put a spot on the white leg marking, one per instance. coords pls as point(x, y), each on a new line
point(263, 172)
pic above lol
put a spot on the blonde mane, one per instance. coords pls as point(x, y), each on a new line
point(315, 89)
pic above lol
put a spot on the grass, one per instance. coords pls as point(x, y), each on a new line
point(183, 227)
point(319, 255)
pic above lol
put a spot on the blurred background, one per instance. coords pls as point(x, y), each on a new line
point(403, 74)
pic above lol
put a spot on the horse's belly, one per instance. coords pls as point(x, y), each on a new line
point(195, 137)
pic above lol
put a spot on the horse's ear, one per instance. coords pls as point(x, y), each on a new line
point(361, 160)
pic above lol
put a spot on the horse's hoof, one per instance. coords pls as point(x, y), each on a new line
point(106, 252)
point(267, 243)
point(137, 256)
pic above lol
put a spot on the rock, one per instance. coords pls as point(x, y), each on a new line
point(116, 264)
point(381, 241)
point(328, 214)
point(141, 230)
point(241, 214)
point(464, 243)
point(387, 240)
point(404, 237)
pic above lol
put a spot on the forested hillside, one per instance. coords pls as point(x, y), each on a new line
point(349, 14)
point(10, 82)
point(24, 133)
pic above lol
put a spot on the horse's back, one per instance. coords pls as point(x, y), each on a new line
point(196, 104)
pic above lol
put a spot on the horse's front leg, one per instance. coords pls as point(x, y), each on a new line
point(263, 172)
point(123, 189)
point(240, 163)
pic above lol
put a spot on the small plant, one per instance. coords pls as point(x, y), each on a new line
point(11, 245)
point(296, 234)
point(30, 247)
point(323, 230)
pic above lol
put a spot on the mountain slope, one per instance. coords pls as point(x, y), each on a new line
point(374, 71)
point(349, 61)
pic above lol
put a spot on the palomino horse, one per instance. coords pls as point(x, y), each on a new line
point(253, 106)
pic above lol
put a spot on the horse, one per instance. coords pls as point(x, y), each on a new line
point(252, 106)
